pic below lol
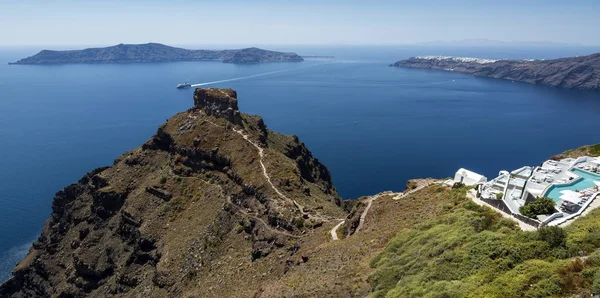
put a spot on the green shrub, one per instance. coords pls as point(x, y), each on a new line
point(458, 185)
point(499, 196)
point(299, 223)
point(411, 185)
point(595, 149)
point(542, 205)
point(474, 252)
point(596, 283)
point(554, 236)
point(163, 180)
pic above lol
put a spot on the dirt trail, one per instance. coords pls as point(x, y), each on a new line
point(421, 183)
point(333, 232)
point(262, 155)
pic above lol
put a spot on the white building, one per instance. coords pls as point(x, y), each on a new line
point(468, 177)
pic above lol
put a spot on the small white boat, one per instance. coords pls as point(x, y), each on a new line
point(184, 85)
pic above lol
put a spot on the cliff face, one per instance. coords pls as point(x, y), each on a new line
point(154, 52)
point(214, 203)
point(575, 72)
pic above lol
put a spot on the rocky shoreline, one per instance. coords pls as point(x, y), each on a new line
point(581, 72)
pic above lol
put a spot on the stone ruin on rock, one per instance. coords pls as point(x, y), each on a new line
point(221, 103)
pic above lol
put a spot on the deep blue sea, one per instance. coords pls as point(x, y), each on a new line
point(373, 126)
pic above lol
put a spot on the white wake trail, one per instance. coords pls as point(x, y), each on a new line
point(259, 75)
point(241, 78)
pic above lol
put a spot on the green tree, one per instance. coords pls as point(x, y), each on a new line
point(542, 205)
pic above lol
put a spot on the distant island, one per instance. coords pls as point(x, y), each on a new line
point(582, 72)
point(156, 52)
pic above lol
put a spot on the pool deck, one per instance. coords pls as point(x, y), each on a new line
point(592, 204)
point(519, 185)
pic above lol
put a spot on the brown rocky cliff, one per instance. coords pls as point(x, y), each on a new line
point(188, 213)
point(220, 103)
point(582, 72)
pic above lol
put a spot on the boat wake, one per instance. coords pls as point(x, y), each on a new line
point(241, 78)
point(444, 82)
point(257, 75)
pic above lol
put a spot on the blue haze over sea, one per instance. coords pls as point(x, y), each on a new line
point(373, 126)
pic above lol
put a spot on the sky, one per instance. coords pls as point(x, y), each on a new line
point(282, 22)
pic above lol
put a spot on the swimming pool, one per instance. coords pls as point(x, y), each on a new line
point(586, 181)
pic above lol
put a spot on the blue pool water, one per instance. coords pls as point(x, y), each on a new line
point(373, 126)
point(586, 181)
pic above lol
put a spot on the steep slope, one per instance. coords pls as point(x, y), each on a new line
point(155, 52)
point(575, 72)
point(217, 205)
point(475, 252)
point(213, 202)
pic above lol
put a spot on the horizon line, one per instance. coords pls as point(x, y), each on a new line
point(426, 44)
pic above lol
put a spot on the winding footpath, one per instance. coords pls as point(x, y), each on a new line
point(333, 231)
point(396, 196)
point(262, 155)
point(369, 204)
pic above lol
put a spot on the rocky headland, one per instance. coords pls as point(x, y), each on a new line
point(212, 195)
point(217, 205)
point(155, 52)
point(581, 72)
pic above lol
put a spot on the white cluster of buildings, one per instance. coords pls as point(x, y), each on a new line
point(571, 183)
point(458, 59)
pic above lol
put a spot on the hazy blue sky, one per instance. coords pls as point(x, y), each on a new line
point(62, 22)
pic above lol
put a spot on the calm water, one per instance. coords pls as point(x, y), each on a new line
point(586, 181)
point(373, 126)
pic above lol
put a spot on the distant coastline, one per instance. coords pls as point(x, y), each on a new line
point(582, 72)
point(155, 52)
point(317, 57)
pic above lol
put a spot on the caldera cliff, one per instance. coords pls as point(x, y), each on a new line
point(217, 205)
point(212, 198)
point(582, 72)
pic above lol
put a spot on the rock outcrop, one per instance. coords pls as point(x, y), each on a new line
point(220, 103)
point(192, 207)
point(155, 52)
point(581, 72)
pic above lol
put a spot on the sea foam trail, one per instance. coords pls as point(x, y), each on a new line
point(241, 78)
point(257, 75)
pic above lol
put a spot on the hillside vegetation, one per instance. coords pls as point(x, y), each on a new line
point(474, 252)
point(589, 150)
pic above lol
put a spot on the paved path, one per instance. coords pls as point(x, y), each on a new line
point(422, 183)
point(255, 216)
point(364, 214)
point(262, 155)
point(522, 225)
point(334, 235)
